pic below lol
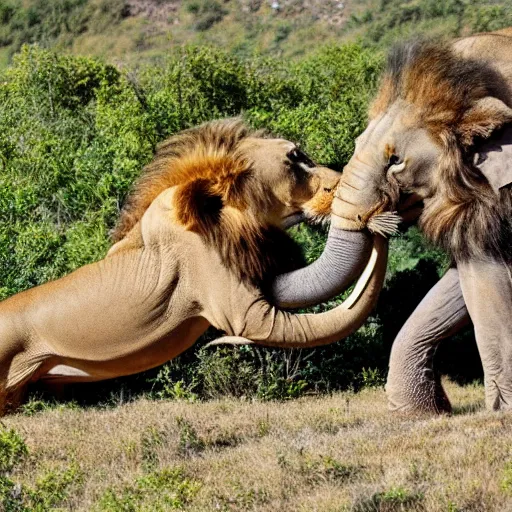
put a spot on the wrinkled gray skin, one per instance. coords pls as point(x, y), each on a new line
point(487, 286)
point(343, 260)
point(480, 289)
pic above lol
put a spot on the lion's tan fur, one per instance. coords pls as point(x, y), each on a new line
point(464, 215)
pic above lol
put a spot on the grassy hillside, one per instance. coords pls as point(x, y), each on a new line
point(135, 30)
point(343, 452)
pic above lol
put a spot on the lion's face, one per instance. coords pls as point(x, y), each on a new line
point(294, 187)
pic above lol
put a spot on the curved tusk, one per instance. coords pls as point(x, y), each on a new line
point(229, 340)
point(362, 282)
point(396, 168)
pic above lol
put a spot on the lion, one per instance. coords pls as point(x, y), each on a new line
point(198, 238)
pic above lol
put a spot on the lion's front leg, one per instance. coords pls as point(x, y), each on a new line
point(487, 289)
point(412, 384)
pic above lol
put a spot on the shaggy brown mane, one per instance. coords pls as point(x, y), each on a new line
point(217, 196)
point(465, 216)
point(441, 84)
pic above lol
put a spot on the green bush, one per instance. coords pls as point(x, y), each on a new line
point(12, 449)
point(168, 489)
point(50, 490)
point(395, 499)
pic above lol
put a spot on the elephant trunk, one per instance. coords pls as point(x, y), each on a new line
point(346, 252)
point(270, 326)
point(342, 261)
point(361, 203)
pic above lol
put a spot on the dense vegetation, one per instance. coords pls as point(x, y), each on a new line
point(131, 30)
point(75, 132)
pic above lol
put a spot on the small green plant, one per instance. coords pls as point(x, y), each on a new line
point(280, 388)
point(227, 372)
point(372, 378)
point(263, 428)
point(36, 405)
point(189, 441)
point(168, 489)
point(336, 471)
point(54, 487)
point(396, 499)
point(50, 491)
point(317, 469)
point(506, 479)
point(169, 388)
point(12, 449)
point(151, 440)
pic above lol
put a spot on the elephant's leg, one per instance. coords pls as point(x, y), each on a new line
point(412, 384)
point(487, 289)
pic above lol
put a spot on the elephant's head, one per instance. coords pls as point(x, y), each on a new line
point(427, 123)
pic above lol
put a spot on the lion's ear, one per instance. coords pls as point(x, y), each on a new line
point(198, 205)
point(487, 115)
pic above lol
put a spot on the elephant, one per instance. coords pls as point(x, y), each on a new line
point(440, 132)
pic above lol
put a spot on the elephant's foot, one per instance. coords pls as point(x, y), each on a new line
point(498, 396)
point(412, 382)
point(419, 397)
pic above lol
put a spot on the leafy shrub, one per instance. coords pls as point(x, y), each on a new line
point(395, 499)
point(189, 443)
point(50, 489)
point(12, 449)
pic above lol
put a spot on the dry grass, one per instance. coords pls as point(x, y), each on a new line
point(343, 452)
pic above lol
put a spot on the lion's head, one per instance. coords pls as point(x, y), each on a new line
point(237, 189)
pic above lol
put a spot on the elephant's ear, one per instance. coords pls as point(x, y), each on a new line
point(493, 158)
point(480, 121)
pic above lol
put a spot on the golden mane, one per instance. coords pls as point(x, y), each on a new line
point(192, 153)
point(465, 217)
point(217, 196)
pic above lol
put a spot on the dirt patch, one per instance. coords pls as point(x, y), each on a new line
point(157, 11)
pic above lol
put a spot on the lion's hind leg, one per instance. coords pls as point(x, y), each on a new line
point(17, 369)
